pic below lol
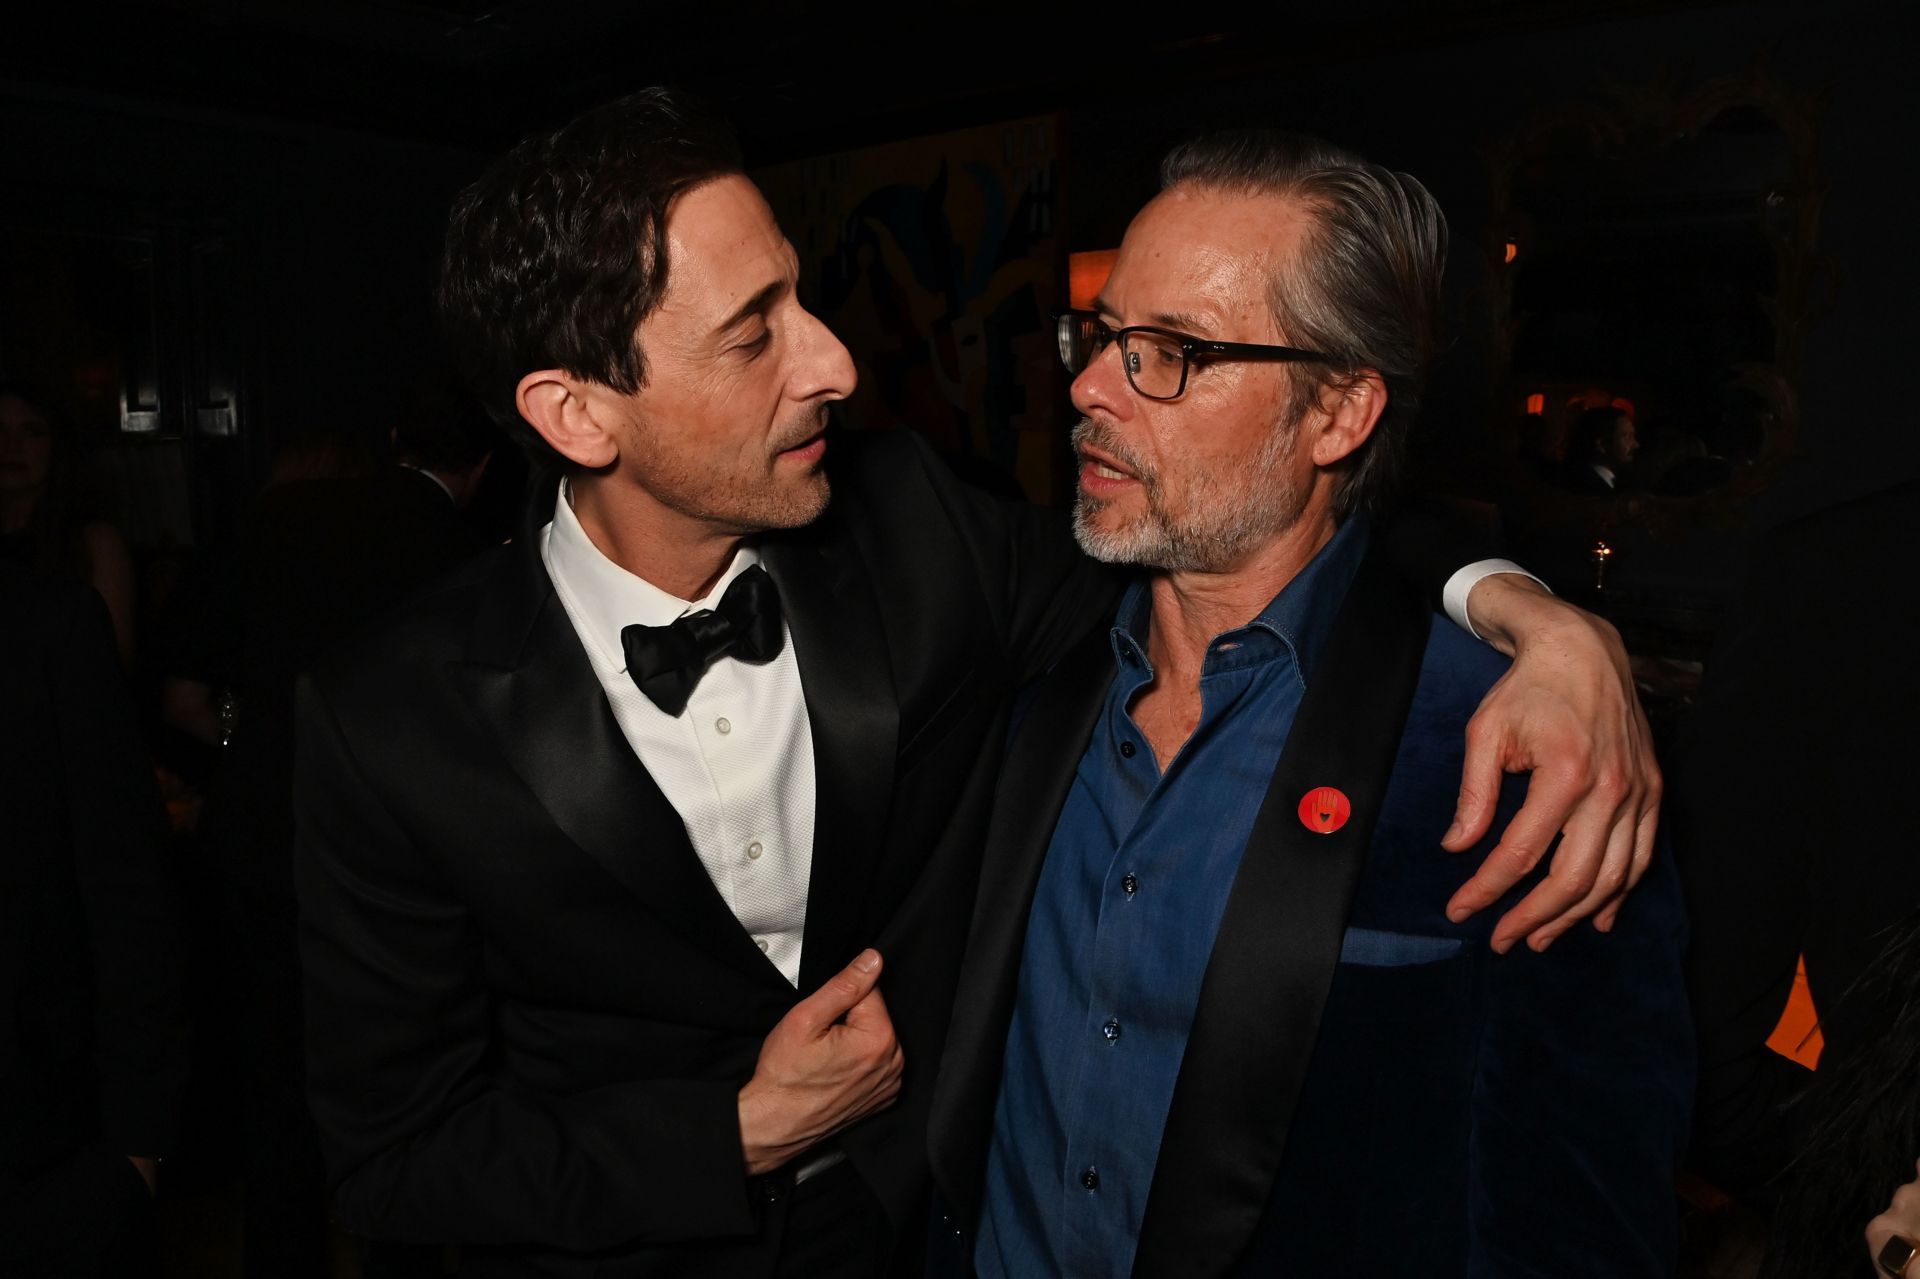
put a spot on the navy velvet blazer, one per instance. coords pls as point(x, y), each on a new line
point(1368, 1088)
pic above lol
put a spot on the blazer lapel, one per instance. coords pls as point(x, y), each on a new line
point(1042, 758)
point(529, 679)
point(1273, 961)
point(827, 598)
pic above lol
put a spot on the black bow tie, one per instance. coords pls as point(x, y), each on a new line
point(667, 661)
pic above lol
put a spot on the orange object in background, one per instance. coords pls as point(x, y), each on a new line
point(1797, 1036)
point(1087, 274)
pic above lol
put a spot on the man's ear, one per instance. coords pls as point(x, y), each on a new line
point(556, 404)
point(1352, 407)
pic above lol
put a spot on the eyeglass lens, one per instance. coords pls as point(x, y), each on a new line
point(1155, 364)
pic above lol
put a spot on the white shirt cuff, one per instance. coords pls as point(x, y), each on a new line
point(1461, 584)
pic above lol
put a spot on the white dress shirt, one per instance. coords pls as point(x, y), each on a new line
point(736, 764)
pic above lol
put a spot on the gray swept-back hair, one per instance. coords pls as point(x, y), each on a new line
point(1364, 287)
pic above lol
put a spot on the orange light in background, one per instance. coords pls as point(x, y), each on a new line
point(1537, 404)
point(1087, 274)
point(1513, 251)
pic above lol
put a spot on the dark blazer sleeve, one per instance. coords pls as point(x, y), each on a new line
point(1581, 1098)
point(425, 1136)
point(1046, 589)
point(1428, 544)
point(119, 854)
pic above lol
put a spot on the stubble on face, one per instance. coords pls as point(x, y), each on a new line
point(1211, 522)
point(758, 495)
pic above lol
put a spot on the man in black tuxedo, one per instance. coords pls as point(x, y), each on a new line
point(1214, 1019)
point(607, 841)
point(92, 1041)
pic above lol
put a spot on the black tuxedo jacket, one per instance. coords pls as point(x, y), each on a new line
point(1366, 1089)
point(529, 1010)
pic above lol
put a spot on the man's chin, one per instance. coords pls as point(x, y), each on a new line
point(800, 503)
point(1094, 529)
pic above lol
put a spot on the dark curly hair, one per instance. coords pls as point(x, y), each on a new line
point(559, 251)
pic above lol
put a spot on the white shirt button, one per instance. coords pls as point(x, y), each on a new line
point(754, 850)
point(723, 725)
point(761, 942)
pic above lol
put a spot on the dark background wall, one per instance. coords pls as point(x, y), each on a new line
point(289, 166)
point(251, 279)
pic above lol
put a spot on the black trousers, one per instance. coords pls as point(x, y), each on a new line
point(835, 1229)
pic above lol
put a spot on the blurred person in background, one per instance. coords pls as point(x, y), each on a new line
point(44, 523)
point(1605, 442)
point(92, 1042)
point(335, 540)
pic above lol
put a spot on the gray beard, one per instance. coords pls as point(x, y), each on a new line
point(1228, 516)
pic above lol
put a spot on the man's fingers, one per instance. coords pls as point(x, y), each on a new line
point(1643, 840)
point(1576, 865)
point(838, 995)
point(1479, 789)
point(1645, 833)
point(1609, 885)
point(869, 1016)
point(1550, 797)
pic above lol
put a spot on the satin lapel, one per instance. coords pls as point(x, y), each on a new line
point(1042, 758)
point(530, 680)
point(1273, 961)
point(828, 600)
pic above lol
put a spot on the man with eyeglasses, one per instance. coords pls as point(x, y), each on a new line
point(1214, 1017)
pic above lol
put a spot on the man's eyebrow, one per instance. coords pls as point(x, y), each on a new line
point(1184, 321)
point(752, 306)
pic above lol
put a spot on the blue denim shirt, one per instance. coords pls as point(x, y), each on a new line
point(1123, 921)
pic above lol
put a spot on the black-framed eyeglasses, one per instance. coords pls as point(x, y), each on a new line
point(1156, 359)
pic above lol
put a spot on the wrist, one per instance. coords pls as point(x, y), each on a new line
point(762, 1149)
point(1506, 609)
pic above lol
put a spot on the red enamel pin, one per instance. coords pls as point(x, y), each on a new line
point(1324, 810)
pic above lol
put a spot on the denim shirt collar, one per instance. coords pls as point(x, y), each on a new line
point(1295, 622)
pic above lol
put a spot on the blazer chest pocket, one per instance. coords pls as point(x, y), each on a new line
point(1378, 948)
point(918, 738)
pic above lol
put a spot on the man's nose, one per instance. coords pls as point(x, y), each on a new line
point(825, 368)
point(1103, 385)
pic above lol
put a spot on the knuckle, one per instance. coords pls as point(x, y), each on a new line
point(1611, 784)
point(1517, 856)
